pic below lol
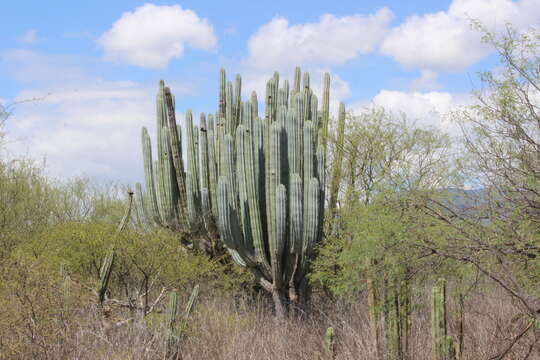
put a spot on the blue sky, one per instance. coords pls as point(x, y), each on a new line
point(97, 64)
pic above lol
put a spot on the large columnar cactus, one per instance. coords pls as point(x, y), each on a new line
point(257, 183)
point(271, 185)
point(173, 197)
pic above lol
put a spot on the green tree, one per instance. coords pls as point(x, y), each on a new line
point(497, 225)
point(391, 165)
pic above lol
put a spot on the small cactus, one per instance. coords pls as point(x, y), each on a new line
point(329, 342)
point(174, 331)
point(105, 275)
point(108, 261)
point(172, 338)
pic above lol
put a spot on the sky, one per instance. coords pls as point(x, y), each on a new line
point(91, 68)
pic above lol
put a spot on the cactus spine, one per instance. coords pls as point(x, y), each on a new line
point(443, 345)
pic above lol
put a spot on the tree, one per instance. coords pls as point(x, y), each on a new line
point(391, 165)
point(496, 228)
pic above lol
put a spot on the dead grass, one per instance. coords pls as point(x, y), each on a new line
point(241, 328)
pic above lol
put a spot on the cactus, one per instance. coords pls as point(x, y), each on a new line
point(256, 184)
point(329, 342)
point(336, 171)
point(108, 261)
point(271, 188)
point(174, 332)
point(173, 197)
point(443, 345)
point(105, 275)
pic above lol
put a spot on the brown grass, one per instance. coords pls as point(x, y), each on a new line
point(40, 327)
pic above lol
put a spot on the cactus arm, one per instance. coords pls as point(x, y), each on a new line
point(297, 78)
point(222, 100)
point(338, 160)
point(150, 179)
point(191, 301)
point(105, 275)
point(176, 150)
point(237, 99)
point(325, 107)
point(277, 239)
point(254, 105)
point(212, 165)
point(253, 199)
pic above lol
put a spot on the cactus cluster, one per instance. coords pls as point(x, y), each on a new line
point(174, 197)
point(255, 183)
point(272, 181)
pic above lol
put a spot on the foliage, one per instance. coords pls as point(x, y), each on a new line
point(499, 226)
point(392, 167)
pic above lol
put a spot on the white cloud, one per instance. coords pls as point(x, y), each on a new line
point(152, 35)
point(446, 41)
point(331, 40)
point(424, 108)
point(80, 123)
point(93, 130)
point(29, 37)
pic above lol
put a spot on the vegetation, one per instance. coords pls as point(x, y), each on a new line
point(429, 247)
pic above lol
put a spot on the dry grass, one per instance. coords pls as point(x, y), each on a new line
point(242, 328)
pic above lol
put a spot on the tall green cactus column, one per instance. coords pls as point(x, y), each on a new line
point(271, 186)
point(337, 165)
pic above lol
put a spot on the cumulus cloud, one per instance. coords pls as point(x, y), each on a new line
point(151, 35)
point(331, 40)
point(93, 130)
point(425, 108)
point(80, 123)
point(446, 41)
